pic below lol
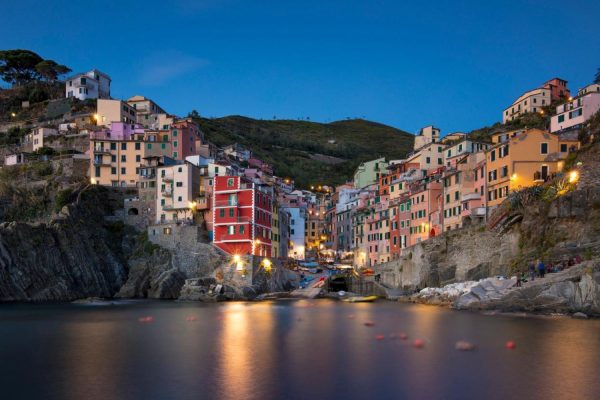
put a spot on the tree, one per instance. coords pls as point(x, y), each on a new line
point(194, 114)
point(17, 67)
point(50, 70)
point(597, 77)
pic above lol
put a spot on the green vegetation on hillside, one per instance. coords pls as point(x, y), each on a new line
point(296, 148)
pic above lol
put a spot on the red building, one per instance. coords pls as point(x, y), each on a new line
point(242, 216)
point(558, 89)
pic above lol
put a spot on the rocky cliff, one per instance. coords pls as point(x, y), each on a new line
point(74, 255)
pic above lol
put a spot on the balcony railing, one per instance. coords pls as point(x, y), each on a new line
point(471, 196)
point(232, 220)
point(167, 192)
point(101, 150)
point(226, 203)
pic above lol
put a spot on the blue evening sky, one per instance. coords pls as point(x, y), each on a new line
point(455, 64)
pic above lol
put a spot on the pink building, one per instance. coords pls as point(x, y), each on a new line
point(424, 201)
point(474, 204)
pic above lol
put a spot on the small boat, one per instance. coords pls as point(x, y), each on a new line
point(361, 299)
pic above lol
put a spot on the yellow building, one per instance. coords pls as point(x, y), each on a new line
point(117, 155)
point(522, 159)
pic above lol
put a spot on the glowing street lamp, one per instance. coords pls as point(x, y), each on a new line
point(267, 264)
point(573, 176)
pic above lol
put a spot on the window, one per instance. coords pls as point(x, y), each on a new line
point(231, 212)
point(113, 158)
point(138, 158)
point(174, 144)
point(123, 158)
point(544, 148)
point(428, 160)
point(179, 184)
point(174, 132)
point(231, 230)
point(113, 146)
point(440, 162)
point(174, 154)
point(149, 146)
point(113, 171)
point(230, 182)
point(563, 148)
point(123, 171)
point(222, 213)
point(493, 155)
point(97, 172)
point(138, 146)
point(123, 146)
point(165, 138)
point(242, 229)
point(561, 118)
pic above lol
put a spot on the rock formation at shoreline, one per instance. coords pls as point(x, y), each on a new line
point(76, 255)
point(575, 290)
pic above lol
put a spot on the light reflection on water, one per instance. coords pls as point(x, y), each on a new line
point(289, 350)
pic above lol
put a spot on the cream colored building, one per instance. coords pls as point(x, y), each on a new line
point(37, 137)
point(531, 101)
point(429, 157)
point(178, 189)
point(428, 134)
point(109, 111)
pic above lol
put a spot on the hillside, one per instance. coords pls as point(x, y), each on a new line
point(310, 152)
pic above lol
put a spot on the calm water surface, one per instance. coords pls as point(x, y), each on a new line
point(289, 350)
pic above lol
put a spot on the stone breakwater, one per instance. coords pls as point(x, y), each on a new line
point(575, 290)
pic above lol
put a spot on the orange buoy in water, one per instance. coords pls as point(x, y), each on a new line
point(146, 320)
point(463, 345)
point(379, 337)
point(511, 345)
point(403, 336)
point(369, 323)
point(419, 343)
point(190, 318)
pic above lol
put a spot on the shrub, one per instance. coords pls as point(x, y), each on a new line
point(62, 199)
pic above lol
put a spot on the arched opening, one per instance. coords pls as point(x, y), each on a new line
point(133, 211)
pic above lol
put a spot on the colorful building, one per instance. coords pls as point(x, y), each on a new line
point(368, 172)
point(575, 112)
point(522, 159)
point(178, 189)
point(533, 100)
point(242, 216)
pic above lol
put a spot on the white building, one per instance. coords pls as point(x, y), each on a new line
point(178, 188)
point(575, 112)
point(593, 88)
point(15, 159)
point(297, 226)
point(88, 85)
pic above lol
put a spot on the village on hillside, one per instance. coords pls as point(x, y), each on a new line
point(174, 177)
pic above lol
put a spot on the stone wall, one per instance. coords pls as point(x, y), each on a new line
point(465, 254)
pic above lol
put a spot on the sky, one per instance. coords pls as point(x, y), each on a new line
point(454, 64)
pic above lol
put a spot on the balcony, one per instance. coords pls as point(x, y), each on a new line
point(231, 220)
point(100, 162)
point(474, 212)
point(101, 150)
point(167, 177)
point(226, 203)
point(167, 192)
point(470, 196)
